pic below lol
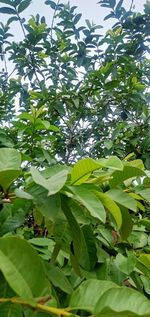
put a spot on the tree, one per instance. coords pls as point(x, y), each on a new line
point(74, 162)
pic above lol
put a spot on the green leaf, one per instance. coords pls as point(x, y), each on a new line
point(77, 18)
point(122, 198)
point(9, 2)
point(122, 302)
point(7, 10)
point(127, 223)
point(53, 184)
point(12, 19)
point(22, 268)
point(51, 3)
point(112, 207)
point(145, 260)
point(119, 5)
point(26, 116)
point(8, 309)
point(112, 162)
point(58, 278)
point(74, 228)
point(125, 264)
point(88, 293)
point(82, 170)
point(88, 255)
point(90, 201)
point(7, 177)
point(145, 193)
point(146, 283)
point(21, 194)
point(10, 159)
point(127, 173)
point(11, 218)
point(23, 5)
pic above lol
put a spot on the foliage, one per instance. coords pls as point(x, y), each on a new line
point(74, 164)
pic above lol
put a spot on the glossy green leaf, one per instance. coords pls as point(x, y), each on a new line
point(53, 184)
point(22, 268)
point(112, 207)
point(145, 260)
point(88, 293)
point(122, 198)
point(122, 302)
point(82, 170)
point(90, 201)
point(26, 116)
point(112, 162)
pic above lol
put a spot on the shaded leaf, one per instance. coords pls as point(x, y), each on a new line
point(122, 198)
point(23, 5)
point(90, 201)
point(53, 184)
point(112, 207)
point(7, 10)
point(26, 277)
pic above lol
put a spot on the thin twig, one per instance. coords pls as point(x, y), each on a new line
point(131, 6)
point(53, 19)
point(35, 306)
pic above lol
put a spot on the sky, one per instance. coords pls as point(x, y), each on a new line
point(89, 9)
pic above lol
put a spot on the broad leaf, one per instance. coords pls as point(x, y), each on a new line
point(90, 201)
point(7, 10)
point(88, 293)
point(122, 198)
point(112, 162)
point(122, 302)
point(10, 159)
point(22, 268)
point(7, 177)
point(127, 173)
point(88, 257)
point(23, 5)
point(112, 207)
point(53, 184)
point(125, 264)
point(82, 170)
point(58, 278)
point(145, 193)
point(127, 223)
point(9, 309)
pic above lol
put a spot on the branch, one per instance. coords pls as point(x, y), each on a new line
point(35, 306)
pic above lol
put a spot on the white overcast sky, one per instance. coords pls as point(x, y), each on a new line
point(89, 9)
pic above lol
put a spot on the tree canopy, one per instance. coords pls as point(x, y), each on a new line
point(74, 162)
